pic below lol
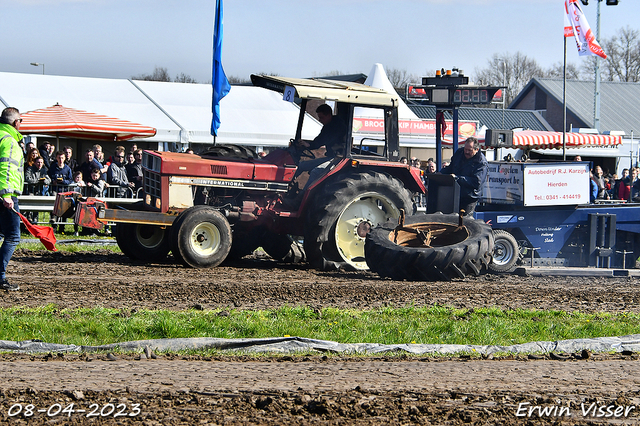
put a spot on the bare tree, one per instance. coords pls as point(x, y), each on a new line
point(513, 71)
point(623, 56)
point(557, 70)
point(159, 74)
point(234, 79)
point(400, 78)
point(184, 78)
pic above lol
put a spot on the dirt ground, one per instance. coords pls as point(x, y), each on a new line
point(313, 389)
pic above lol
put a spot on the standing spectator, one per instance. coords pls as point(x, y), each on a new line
point(134, 171)
point(51, 151)
point(611, 185)
point(619, 183)
point(110, 159)
point(31, 157)
point(134, 147)
point(44, 153)
point(117, 175)
point(37, 178)
point(598, 178)
point(90, 163)
point(431, 167)
point(404, 160)
point(95, 184)
point(69, 160)
point(625, 186)
point(60, 173)
point(11, 183)
point(469, 167)
point(593, 193)
point(130, 158)
point(29, 146)
point(99, 156)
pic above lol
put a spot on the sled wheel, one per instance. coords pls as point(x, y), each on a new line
point(283, 247)
point(148, 243)
point(343, 213)
point(201, 237)
point(244, 241)
point(469, 253)
point(505, 252)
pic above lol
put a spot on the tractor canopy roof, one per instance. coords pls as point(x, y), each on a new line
point(329, 90)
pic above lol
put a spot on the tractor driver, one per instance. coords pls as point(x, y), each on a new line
point(332, 137)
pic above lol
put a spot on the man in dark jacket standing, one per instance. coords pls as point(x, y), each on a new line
point(469, 167)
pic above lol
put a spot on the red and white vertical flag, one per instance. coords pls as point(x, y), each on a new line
point(575, 24)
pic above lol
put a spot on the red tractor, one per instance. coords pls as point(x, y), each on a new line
point(227, 201)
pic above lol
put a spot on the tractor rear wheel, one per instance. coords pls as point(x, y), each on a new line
point(344, 212)
point(148, 243)
point(463, 251)
point(201, 237)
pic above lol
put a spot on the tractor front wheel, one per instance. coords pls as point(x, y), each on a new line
point(201, 237)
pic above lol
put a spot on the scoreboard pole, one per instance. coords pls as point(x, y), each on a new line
point(447, 91)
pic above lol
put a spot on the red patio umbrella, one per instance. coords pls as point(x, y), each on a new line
point(74, 123)
point(547, 140)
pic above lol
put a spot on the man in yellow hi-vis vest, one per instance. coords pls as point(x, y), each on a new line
point(11, 183)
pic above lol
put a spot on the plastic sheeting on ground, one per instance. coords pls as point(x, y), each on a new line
point(300, 344)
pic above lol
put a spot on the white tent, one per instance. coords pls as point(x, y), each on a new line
point(180, 112)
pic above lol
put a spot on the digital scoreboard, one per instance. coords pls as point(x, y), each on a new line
point(453, 95)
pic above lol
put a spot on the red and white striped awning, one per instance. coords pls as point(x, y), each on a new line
point(547, 140)
point(74, 123)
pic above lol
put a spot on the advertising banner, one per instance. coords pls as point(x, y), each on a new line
point(555, 184)
point(503, 184)
point(424, 128)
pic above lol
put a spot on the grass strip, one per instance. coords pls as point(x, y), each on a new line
point(435, 324)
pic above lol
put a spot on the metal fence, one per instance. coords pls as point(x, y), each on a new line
point(39, 198)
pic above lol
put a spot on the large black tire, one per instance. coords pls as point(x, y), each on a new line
point(346, 208)
point(468, 257)
point(283, 247)
point(149, 243)
point(506, 252)
point(201, 237)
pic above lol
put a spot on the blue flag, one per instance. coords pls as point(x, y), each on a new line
point(219, 79)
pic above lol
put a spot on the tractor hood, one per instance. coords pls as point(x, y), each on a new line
point(328, 90)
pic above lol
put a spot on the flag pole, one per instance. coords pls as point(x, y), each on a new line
point(564, 103)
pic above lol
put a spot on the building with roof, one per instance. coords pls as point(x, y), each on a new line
point(619, 109)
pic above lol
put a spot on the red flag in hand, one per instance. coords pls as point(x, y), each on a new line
point(44, 233)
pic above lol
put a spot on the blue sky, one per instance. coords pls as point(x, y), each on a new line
point(297, 38)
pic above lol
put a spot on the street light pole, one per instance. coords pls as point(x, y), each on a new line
point(504, 83)
point(596, 108)
point(37, 64)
